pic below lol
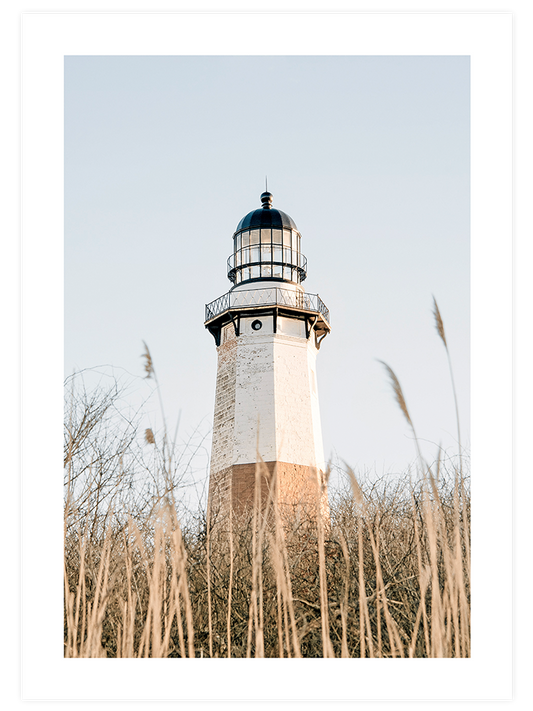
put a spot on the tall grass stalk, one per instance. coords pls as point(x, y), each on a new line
point(231, 568)
point(439, 324)
point(324, 603)
point(208, 574)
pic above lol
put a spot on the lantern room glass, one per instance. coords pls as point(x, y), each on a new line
point(267, 253)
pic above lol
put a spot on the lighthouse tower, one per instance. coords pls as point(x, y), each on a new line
point(268, 331)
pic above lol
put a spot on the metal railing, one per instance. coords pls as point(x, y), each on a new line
point(267, 297)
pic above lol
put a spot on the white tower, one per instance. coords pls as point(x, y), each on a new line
point(268, 332)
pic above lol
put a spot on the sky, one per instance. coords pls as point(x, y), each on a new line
point(162, 129)
point(369, 155)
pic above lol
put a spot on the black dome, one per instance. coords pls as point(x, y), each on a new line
point(266, 216)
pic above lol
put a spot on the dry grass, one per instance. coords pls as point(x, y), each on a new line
point(388, 579)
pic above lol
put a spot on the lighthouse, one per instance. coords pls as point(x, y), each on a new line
point(268, 332)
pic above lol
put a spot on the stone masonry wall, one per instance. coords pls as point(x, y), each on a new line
point(266, 406)
point(297, 489)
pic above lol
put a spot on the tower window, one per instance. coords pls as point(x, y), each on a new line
point(257, 324)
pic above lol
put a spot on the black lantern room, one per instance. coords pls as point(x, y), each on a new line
point(266, 245)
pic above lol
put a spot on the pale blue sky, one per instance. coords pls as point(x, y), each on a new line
point(364, 136)
point(371, 158)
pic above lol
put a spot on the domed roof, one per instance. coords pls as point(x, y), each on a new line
point(266, 216)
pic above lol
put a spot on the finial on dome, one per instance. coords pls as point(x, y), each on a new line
point(266, 199)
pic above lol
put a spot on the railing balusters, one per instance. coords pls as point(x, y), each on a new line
point(267, 297)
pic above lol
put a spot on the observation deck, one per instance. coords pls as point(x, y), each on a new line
point(278, 301)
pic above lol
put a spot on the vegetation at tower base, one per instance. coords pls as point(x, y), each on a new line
point(389, 577)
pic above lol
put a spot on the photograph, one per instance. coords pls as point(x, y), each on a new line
point(267, 356)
